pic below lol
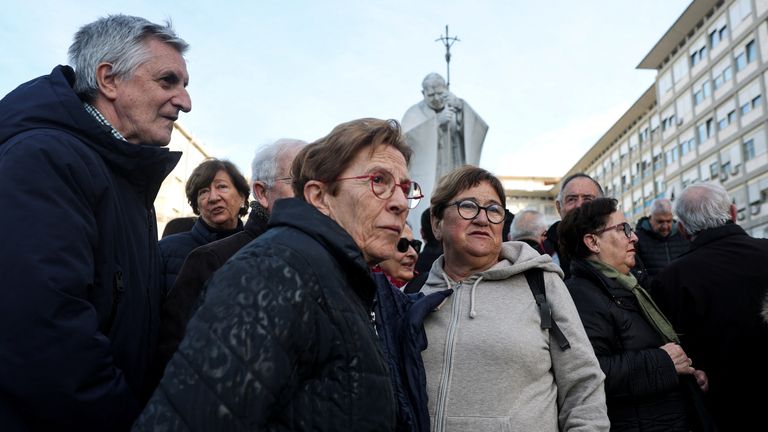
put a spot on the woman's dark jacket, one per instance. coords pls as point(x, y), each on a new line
point(184, 297)
point(400, 325)
point(284, 339)
point(175, 248)
point(80, 268)
point(642, 389)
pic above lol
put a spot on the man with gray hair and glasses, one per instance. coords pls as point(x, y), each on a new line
point(270, 181)
point(575, 190)
point(81, 159)
point(713, 296)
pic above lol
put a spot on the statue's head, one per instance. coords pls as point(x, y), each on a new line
point(434, 90)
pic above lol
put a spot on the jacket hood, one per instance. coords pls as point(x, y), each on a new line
point(515, 258)
point(49, 102)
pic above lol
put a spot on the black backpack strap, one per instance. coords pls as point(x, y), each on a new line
point(535, 278)
point(416, 283)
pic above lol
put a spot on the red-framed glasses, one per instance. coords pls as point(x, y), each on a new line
point(383, 187)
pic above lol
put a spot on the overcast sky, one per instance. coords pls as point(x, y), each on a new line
point(548, 77)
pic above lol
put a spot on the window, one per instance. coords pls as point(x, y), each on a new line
point(717, 36)
point(747, 107)
point(751, 51)
point(719, 81)
point(702, 93)
point(698, 56)
point(714, 169)
point(671, 155)
point(667, 122)
point(747, 56)
point(687, 147)
point(727, 74)
point(658, 161)
point(756, 101)
point(749, 149)
point(741, 61)
point(704, 130)
point(727, 120)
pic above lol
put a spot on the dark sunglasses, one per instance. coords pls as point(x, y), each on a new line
point(404, 243)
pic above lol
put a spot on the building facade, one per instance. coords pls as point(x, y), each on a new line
point(171, 201)
point(703, 120)
point(531, 193)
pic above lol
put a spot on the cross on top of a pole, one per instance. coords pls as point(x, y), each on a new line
point(448, 41)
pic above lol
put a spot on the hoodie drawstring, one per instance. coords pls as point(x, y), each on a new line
point(472, 312)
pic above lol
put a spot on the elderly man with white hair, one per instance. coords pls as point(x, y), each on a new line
point(713, 297)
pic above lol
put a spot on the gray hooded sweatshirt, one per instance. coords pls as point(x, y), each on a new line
point(490, 366)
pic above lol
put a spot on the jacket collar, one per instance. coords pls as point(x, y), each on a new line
point(298, 214)
point(714, 234)
point(50, 102)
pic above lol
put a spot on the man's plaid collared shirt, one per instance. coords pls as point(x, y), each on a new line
point(103, 121)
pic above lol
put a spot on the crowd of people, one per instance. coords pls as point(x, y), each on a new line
point(325, 310)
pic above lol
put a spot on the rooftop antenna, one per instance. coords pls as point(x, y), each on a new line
point(448, 41)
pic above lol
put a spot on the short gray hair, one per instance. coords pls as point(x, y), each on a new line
point(661, 206)
point(527, 224)
point(703, 206)
point(264, 164)
point(572, 177)
point(119, 40)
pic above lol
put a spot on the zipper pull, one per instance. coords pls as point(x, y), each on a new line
point(372, 315)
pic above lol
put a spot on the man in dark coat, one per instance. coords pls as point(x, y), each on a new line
point(659, 240)
point(270, 174)
point(713, 296)
point(575, 190)
point(81, 161)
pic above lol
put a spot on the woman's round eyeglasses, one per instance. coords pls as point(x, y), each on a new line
point(469, 210)
point(383, 186)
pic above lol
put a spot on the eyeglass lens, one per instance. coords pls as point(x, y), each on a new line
point(470, 209)
point(383, 185)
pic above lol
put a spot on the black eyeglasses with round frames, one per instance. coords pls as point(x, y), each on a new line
point(383, 187)
point(469, 210)
point(618, 227)
point(404, 243)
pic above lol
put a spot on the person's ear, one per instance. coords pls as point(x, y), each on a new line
point(437, 228)
point(592, 243)
point(106, 81)
point(317, 196)
point(733, 212)
point(260, 193)
point(683, 231)
point(557, 207)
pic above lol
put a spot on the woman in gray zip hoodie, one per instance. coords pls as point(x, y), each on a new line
point(490, 366)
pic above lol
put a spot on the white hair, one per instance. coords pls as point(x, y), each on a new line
point(703, 206)
point(264, 164)
point(527, 224)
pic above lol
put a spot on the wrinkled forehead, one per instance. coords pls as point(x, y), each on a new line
point(581, 186)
